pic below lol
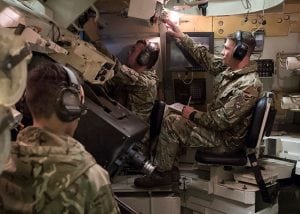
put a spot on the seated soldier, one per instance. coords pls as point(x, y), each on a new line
point(222, 129)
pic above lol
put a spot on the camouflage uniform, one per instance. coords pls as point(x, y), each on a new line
point(223, 127)
point(140, 89)
point(137, 91)
point(51, 173)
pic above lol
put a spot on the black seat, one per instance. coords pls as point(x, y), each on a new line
point(254, 136)
point(261, 124)
point(156, 118)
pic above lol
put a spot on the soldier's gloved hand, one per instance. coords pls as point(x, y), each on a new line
point(187, 111)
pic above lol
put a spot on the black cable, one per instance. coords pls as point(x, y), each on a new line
point(246, 17)
point(246, 4)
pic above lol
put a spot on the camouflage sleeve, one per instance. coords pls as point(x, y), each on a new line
point(101, 198)
point(123, 74)
point(212, 63)
point(234, 109)
point(128, 76)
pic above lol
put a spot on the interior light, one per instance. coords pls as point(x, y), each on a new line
point(8, 17)
point(174, 17)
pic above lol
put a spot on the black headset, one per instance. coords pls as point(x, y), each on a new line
point(241, 48)
point(69, 105)
point(148, 54)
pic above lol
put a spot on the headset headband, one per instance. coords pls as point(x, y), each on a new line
point(72, 78)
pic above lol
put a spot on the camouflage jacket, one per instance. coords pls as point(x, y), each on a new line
point(51, 173)
point(235, 94)
point(139, 89)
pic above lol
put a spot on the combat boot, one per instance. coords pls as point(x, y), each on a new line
point(156, 179)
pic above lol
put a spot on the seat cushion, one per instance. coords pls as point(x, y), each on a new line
point(234, 159)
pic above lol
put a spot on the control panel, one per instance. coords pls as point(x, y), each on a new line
point(265, 67)
point(195, 91)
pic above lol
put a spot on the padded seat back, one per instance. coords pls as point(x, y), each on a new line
point(156, 118)
point(257, 124)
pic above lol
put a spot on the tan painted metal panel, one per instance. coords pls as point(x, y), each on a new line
point(292, 6)
point(276, 24)
point(194, 23)
point(295, 23)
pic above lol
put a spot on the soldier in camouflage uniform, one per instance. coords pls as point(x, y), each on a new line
point(222, 129)
point(49, 171)
point(134, 85)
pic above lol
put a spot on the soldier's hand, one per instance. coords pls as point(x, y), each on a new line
point(186, 111)
point(173, 30)
point(91, 29)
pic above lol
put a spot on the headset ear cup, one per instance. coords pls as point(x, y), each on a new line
point(68, 106)
point(143, 58)
point(240, 49)
point(240, 52)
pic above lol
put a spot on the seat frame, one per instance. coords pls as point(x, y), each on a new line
point(261, 124)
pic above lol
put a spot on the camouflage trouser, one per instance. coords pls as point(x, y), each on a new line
point(177, 131)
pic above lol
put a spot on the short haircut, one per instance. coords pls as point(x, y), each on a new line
point(44, 82)
point(154, 52)
point(247, 38)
